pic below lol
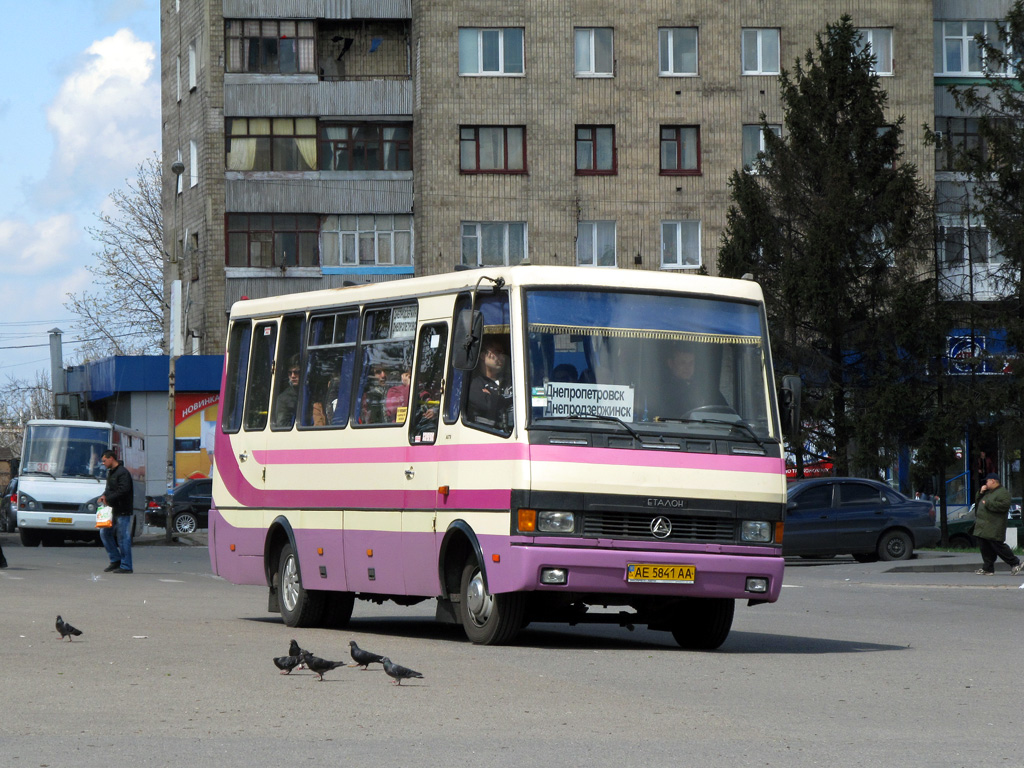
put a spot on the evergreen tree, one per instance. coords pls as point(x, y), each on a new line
point(836, 227)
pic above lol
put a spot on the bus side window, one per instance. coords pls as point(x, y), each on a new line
point(386, 352)
point(426, 404)
point(238, 364)
point(330, 359)
point(288, 377)
point(261, 364)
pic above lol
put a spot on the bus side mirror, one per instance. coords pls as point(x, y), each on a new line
point(790, 404)
point(469, 331)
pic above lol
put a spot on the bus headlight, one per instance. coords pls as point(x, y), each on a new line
point(25, 501)
point(758, 531)
point(552, 521)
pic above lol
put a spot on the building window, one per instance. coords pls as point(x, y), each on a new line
point(595, 150)
point(594, 54)
point(180, 183)
point(956, 48)
point(753, 144)
point(491, 51)
point(962, 134)
point(680, 244)
point(595, 244)
point(680, 150)
point(193, 66)
point(193, 164)
point(270, 47)
point(365, 147)
point(272, 240)
point(271, 144)
point(493, 243)
point(367, 239)
point(760, 51)
point(962, 240)
point(492, 149)
point(677, 51)
point(880, 41)
point(177, 78)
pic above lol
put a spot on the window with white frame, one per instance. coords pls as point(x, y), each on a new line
point(180, 183)
point(490, 51)
point(595, 244)
point(594, 54)
point(177, 78)
point(753, 144)
point(880, 42)
point(351, 240)
point(760, 51)
point(677, 51)
point(957, 51)
point(193, 164)
point(962, 239)
point(193, 66)
point(493, 243)
point(680, 244)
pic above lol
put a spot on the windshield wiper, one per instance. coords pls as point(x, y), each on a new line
point(38, 472)
point(594, 417)
point(741, 424)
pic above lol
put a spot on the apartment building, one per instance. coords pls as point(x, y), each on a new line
point(333, 141)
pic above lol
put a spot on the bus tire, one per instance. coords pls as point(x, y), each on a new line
point(29, 537)
point(300, 607)
point(488, 619)
point(705, 623)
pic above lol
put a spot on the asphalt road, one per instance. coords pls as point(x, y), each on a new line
point(855, 665)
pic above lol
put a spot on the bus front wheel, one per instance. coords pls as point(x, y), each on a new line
point(300, 607)
point(488, 619)
point(705, 623)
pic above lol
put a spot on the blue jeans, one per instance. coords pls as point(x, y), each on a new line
point(118, 541)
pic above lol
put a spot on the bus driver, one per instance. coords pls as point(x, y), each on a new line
point(490, 392)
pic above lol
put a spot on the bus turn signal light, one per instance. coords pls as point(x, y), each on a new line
point(527, 520)
point(778, 532)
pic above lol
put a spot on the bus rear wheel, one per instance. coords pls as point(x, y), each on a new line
point(29, 537)
point(300, 607)
point(705, 623)
point(488, 619)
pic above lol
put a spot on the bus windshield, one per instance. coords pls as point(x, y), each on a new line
point(65, 451)
point(664, 363)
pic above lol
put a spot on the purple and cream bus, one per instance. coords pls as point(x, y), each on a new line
point(528, 443)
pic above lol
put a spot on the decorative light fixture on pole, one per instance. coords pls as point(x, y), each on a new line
point(174, 342)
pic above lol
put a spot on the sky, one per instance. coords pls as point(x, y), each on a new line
point(79, 110)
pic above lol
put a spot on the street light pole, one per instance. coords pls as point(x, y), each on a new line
point(177, 168)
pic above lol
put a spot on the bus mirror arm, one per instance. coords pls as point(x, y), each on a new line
point(790, 395)
point(469, 327)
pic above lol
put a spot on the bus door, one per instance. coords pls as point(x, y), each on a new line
point(420, 541)
point(251, 443)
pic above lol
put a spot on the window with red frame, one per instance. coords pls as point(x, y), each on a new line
point(595, 150)
point(680, 150)
point(492, 149)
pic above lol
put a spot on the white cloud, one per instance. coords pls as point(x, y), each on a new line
point(106, 115)
point(33, 248)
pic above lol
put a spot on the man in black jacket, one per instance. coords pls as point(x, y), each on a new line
point(119, 496)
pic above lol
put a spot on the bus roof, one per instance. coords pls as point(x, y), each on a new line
point(521, 275)
point(80, 423)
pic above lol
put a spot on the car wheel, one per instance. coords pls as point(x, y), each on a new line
point(30, 538)
point(488, 619)
point(895, 545)
point(704, 623)
point(300, 607)
point(185, 522)
point(962, 541)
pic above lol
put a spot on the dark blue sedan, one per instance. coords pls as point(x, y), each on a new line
point(830, 516)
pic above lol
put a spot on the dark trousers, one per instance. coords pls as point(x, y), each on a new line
point(990, 549)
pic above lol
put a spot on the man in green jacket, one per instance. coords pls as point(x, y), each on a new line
point(990, 527)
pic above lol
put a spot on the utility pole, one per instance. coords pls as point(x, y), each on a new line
point(173, 349)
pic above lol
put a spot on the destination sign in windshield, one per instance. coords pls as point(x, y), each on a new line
point(604, 400)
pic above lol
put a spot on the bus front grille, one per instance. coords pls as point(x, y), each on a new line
point(619, 525)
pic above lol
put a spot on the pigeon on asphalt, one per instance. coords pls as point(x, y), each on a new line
point(363, 658)
point(320, 666)
point(286, 663)
point(398, 672)
point(66, 630)
point(296, 651)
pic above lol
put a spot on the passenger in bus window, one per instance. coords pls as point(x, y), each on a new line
point(684, 391)
point(288, 398)
point(324, 408)
point(373, 410)
point(396, 403)
point(490, 391)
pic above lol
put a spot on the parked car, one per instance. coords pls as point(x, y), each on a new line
point(189, 506)
point(8, 520)
point(961, 530)
point(852, 516)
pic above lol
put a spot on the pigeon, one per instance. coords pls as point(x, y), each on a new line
point(363, 658)
point(296, 651)
point(319, 666)
point(286, 663)
point(65, 629)
point(398, 672)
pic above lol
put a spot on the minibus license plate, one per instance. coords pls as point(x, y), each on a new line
point(660, 574)
point(66, 520)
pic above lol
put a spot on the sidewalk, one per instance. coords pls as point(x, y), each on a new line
point(157, 538)
point(928, 561)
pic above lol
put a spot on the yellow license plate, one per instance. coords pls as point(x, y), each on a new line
point(660, 574)
point(66, 520)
